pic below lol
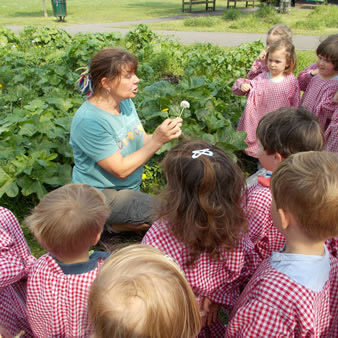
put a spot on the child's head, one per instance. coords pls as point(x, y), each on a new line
point(201, 201)
point(287, 131)
point(281, 56)
point(278, 32)
point(305, 185)
point(139, 292)
point(327, 53)
point(69, 220)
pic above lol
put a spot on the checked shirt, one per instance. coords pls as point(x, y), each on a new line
point(318, 95)
point(15, 261)
point(262, 231)
point(218, 280)
point(264, 96)
point(331, 134)
point(56, 301)
point(273, 305)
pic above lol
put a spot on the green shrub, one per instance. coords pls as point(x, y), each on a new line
point(307, 24)
point(231, 14)
point(201, 21)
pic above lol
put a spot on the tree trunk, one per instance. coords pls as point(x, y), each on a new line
point(44, 8)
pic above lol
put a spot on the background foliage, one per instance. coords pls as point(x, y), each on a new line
point(38, 77)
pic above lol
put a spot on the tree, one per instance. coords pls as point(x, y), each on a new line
point(44, 8)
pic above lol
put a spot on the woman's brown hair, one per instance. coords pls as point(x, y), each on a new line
point(109, 63)
point(202, 199)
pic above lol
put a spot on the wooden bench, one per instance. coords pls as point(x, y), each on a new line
point(209, 4)
point(247, 3)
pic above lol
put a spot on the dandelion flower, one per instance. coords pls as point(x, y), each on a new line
point(144, 176)
point(184, 104)
point(166, 111)
point(0, 85)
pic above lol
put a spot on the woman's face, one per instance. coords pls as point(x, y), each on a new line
point(125, 86)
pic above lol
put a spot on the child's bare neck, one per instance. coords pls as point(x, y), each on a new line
point(83, 257)
point(277, 77)
point(306, 247)
point(328, 77)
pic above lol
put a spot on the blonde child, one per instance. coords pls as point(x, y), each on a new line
point(201, 225)
point(141, 293)
point(280, 134)
point(320, 82)
point(275, 33)
point(15, 262)
point(293, 293)
point(67, 223)
point(268, 91)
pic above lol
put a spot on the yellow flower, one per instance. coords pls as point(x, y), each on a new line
point(39, 46)
point(165, 109)
point(144, 176)
point(0, 85)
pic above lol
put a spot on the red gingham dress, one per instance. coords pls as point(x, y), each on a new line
point(15, 261)
point(331, 134)
point(217, 280)
point(257, 68)
point(273, 305)
point(57, 302)
point(265, 96)
point(318, 95)
point(262, 231)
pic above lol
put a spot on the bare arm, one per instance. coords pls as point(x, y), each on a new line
point(122, 167)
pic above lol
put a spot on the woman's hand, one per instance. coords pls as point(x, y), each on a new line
point(167, 131)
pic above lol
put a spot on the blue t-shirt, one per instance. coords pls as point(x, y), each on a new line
point(96, 135)
point(308, 270)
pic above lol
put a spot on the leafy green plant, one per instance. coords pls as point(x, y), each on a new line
point(152, 178)
point(45, 36)
point(38, 97)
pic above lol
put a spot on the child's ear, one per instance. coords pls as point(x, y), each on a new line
point(278, 158)
point(284, 218)
point(97, 238)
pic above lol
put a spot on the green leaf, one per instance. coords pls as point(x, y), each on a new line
point(35, 104)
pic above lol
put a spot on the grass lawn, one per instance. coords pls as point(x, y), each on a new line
point(15, 12)
point(302, 22)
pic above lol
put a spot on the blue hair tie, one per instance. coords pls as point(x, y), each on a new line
point(84, 82)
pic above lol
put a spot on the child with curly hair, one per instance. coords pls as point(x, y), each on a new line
point(201, 225)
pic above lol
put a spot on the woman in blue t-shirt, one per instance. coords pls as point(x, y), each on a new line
point(109, 143)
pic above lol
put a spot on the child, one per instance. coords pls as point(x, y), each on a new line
point(275, 33)
point(291, 293)
point(280, 134)
point(141, 293)
point(331, 134)
point(268, 91)
point(15, 261)
point(66, 222)
point(320, 82)
point(201, 224)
